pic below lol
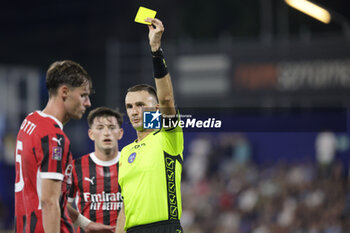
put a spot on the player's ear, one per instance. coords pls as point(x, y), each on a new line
point(63, 91)
point(91, 135)
point(121, 133)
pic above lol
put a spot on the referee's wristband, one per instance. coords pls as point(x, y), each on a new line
point(160, 68)
point(82, 221)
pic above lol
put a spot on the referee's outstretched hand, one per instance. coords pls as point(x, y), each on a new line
point(155, 33)
point(94, 227)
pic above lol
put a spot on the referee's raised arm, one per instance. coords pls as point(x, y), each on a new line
point(162, 77)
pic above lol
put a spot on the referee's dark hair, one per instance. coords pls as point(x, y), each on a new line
point(144, 87)
point(104, 112)
point(66, 72)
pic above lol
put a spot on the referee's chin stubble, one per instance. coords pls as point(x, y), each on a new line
point(137, 126)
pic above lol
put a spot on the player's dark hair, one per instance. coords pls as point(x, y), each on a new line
point(144, 87)
point(104, 112)
point(66, 72)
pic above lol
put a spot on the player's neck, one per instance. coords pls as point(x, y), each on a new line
point(142, 134)
point(106, 155)
point(55, 109)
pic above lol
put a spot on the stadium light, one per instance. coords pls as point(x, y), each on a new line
point(310, 9)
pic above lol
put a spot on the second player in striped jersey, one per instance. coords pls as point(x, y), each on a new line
point(95, 175)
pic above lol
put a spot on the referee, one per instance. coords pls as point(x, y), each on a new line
point(150, 167)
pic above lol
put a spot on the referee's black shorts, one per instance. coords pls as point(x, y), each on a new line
point(168, 226)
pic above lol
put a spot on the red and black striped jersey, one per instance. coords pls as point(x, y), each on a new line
point(95, 188)
point(42, 152)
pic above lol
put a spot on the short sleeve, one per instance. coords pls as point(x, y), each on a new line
point(54, 154)
point(172, 139)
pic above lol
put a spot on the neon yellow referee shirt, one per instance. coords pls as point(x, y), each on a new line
point(150, 177)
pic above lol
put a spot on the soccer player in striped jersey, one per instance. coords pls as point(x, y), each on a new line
point(43, 157)
point(150, 167)
point(95, 175)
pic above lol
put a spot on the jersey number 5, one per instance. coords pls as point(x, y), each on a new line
point(20, 184)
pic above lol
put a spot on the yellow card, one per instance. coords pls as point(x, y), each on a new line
point(144, 13)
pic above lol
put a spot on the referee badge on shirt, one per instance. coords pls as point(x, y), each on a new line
point(57, 153)
point(132, 157)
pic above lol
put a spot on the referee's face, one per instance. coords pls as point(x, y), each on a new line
point(135, 103)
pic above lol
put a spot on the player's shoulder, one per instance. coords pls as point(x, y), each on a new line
point(38, 126)
point(46, 123)
point(82, 158)
point(81, 162)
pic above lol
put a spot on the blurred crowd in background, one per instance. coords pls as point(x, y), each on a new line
point(225, 191)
